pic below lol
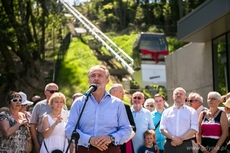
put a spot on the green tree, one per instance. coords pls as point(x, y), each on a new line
point(23, 38)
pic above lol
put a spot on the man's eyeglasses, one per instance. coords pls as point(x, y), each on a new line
point(192, 101)
point(52, 91)
point(139, 98)
point(150, 106)
point(16, 100)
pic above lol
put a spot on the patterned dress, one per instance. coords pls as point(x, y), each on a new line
point(17, 141)
point(211, 132)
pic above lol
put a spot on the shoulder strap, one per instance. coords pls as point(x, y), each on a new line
point(157, 124)
point(46, 146)
point(204, 109)
point(47, 149)
point(64, 144)
point(204, 113)
point(219, 115)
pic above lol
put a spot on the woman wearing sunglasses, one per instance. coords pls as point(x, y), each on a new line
point(13, 123)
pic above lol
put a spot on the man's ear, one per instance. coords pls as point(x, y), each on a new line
point(107, 81)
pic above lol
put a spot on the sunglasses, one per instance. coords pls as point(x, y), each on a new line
point(16, 100)
point(192, 101)
point(52, 91)
point(139, 98)
point(211, 99)
point(150, 106)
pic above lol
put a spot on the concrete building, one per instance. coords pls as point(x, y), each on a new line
point(195, 67)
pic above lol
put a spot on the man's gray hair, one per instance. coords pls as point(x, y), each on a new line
point(197, 96)
point(114, 87)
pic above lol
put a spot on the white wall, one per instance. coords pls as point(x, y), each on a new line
point(191, 68)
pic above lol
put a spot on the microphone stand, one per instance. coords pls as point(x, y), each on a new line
point(75, 135)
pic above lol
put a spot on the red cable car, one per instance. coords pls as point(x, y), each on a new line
point(149, 51)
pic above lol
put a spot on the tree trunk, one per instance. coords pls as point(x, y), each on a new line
point(180, 8)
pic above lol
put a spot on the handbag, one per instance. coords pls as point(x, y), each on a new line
point(56, 150)
point(28, 141)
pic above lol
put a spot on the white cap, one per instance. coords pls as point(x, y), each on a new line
point(24, 99)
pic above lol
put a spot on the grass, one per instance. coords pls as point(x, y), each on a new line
point(125, 42)
point(79, 58)
point(72, 76)
point(73, 71)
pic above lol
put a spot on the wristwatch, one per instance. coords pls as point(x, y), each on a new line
point(112, 139)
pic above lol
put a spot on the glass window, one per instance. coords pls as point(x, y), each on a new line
point(221, 64)
point(149, 47)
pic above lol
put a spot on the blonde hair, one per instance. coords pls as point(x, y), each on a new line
point(159, 95)
point(55, 96)
point(150, 132)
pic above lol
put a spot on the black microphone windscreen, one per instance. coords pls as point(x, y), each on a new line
point(94, 87)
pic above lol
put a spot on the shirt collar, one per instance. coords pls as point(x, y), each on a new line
point(155, 111)
point(142, 109)
point(200, 109)
point(183, 106)
point(106, 94)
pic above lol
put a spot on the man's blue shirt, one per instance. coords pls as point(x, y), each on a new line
point(108, 117)
point(160, 138)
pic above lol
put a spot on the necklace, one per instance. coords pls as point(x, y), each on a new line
point(211, 117)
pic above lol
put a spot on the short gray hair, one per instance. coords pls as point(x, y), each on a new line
point(197, 96)
point(114, 87)
point(215, 94)
point(149, 100)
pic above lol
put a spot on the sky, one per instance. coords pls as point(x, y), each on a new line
point(78, 1)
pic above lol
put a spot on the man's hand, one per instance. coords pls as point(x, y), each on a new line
point(176, 141)
point(156, 147)
point(22, 121)
point(100, 142)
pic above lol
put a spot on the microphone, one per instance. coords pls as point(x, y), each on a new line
point(91, 89)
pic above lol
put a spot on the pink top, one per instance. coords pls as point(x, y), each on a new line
point(211, 128)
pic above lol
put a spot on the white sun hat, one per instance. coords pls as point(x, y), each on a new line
point(24, 99)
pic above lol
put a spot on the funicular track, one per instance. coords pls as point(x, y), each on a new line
point(116, 53)
point(116, 72)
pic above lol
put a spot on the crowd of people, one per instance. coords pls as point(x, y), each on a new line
point(101, 123)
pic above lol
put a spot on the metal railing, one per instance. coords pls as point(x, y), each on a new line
point(124, 59)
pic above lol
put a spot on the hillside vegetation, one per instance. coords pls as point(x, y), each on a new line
point(72, 76)
point(34, 33)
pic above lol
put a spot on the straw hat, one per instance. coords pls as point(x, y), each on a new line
point(227, 103)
